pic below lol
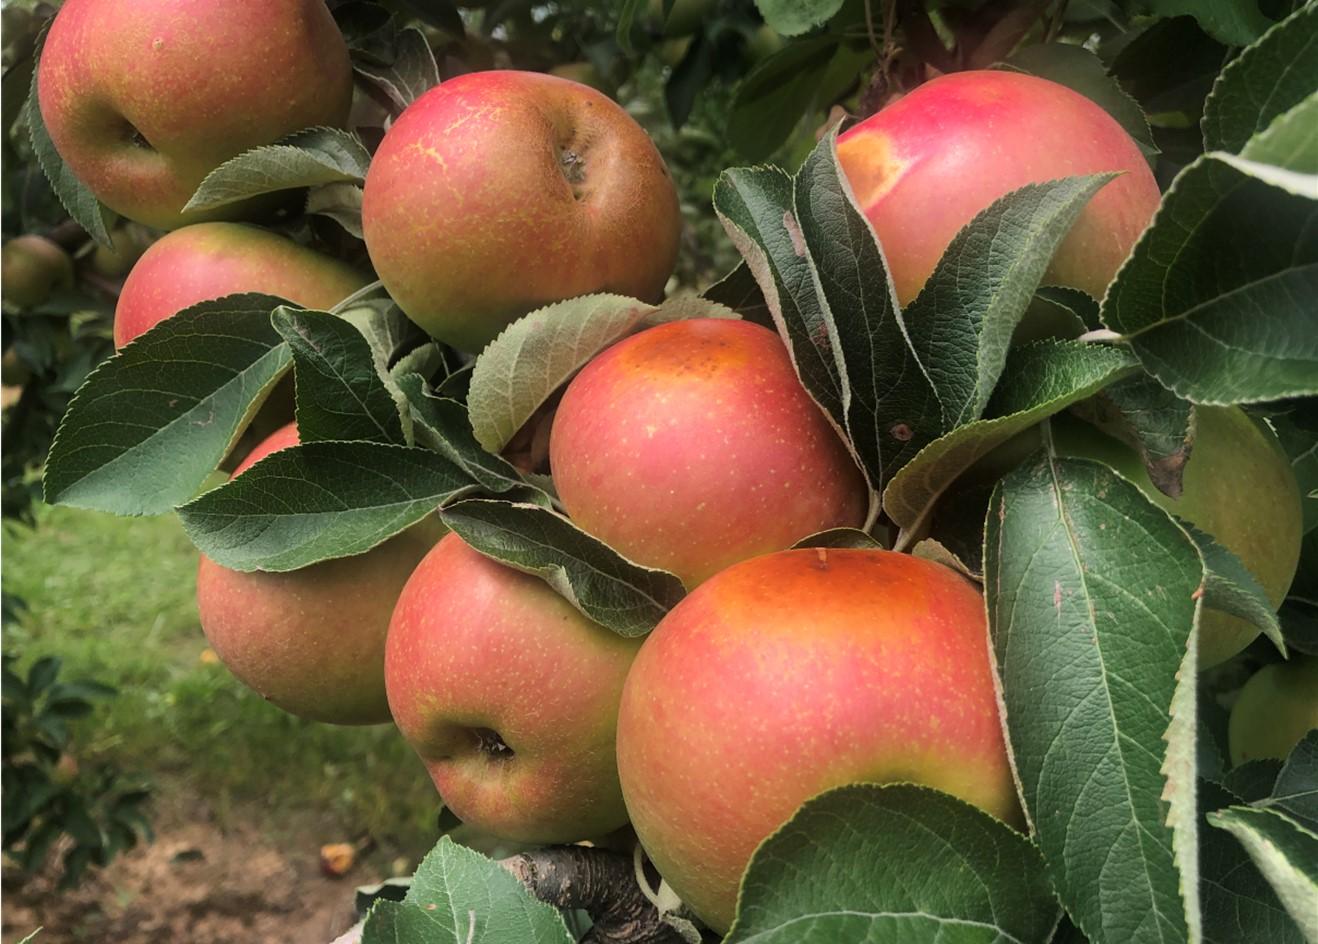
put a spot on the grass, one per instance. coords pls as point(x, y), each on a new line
point(114, 599)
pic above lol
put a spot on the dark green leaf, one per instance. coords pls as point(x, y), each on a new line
point(1239, 906)
point(840, 537)
point(1090, 593)
point(689, 78)
point(739, 292)
point(961, 324)
point(1295, 791)
point(1157, 423)
point(153, 421)
point(616, 593)
point(318, 501)
point(1285, 852)
point(42, 675)
point(1041, 379)
point(1230, 588)
point(1267, 79)
point(412, 73)
point(893, 863)
point(1234, 22)
point(341, 202)
point(1252, 780)
point(1301, 446)
point(302, 159)
point(81, 203)
point(340, 394)
point(1216, 296)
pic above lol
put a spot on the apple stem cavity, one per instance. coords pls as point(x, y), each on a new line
point(601, 882)
point(490, 743)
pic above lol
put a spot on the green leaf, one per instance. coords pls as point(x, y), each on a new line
point(1267, 79)
point(1041, 379)
point(318, 501)
point(1286, 154)
point(535, 355)
point(840, 537)
point(340, 395)
point(1252, 780)
point(73, 194)
point(626, 25)
point(1301, 445)
point(442, 424)
point(1080, 70)
point(459, 896)
point(412, 73)
point(794, 17)
point(1158, 424)
point(891, 405)
point(1239, 906)
point(961, 324)
point(152, 422)
point(616, 593)
point(1090, 592)
point(1285, 852)
point(1230, 588)
point(893, 863)
point(1234, 22)
point(1216, 297)
point(1295, 791)
point(755, 206)
point(302, 159)
point(42, 675)
point(341, 202)
point(739, 292)
point(802, 78)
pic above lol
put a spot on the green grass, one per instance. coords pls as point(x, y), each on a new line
point(114, 599)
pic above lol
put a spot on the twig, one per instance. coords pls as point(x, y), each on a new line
point(602, 883)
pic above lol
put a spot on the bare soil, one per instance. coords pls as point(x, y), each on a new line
point(196, 883)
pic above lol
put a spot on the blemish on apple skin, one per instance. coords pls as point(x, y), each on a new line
point(157, 44)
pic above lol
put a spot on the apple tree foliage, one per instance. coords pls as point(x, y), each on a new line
point(1137, 829)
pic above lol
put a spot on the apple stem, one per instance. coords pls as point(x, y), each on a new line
point(602, 883)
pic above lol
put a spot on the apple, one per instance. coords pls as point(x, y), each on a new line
point(312, 640)
point(788, 675)
point(499, 192)
point(1277, 707)
point(210, 260)
point(509, 696)
point(925, 165)
point(144, 98)
point(31, 268)
point(1238, 486)
point(692, 445)
point(116, 261)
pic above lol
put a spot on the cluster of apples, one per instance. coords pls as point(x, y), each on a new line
point(690, 446)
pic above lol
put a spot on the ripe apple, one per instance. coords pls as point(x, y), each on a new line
point(31, 268)
point(692, 446)
point(210, 260)
point(792, 673)
point(925, 165)
point(312, 640)
point(509, 696)
point(144, 98)
point(1277, 707)
point(1238, 486)
point(498, 192)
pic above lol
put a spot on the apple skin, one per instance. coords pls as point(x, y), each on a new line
point(1277, 707)
point(1238, 486)
point(788, 675)
point(31, 268)
point(509, 696)
point(144, 98)
point(312, 641)
point(210, 260)
point(692, 445)
point(925, 165)
point(499, 192)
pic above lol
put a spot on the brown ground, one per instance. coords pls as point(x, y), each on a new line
point(197, 883)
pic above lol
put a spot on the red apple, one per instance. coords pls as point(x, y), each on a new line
point(144, 98)
point(925, 165)
point(210, 260)
point(498, 192)
point(788, 675)
point(312, 640)
point(692, 446)
point(509, 696)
